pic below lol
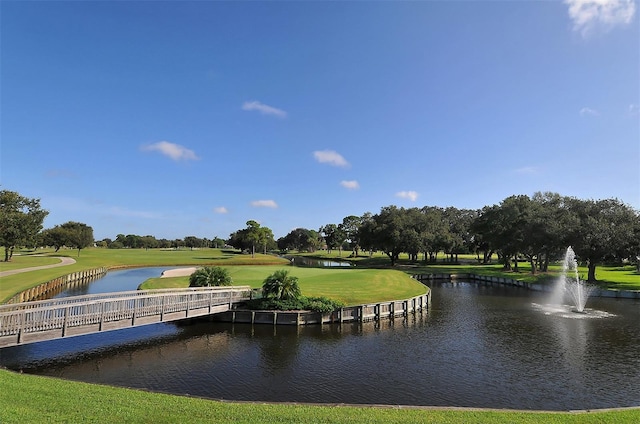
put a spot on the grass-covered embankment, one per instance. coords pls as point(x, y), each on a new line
point(349, 286)
point(611, 277)
point(34, 399)
point(116, 258)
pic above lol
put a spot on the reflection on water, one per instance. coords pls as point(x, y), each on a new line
point(114, 281)
point(478, 346)
point(317, 263)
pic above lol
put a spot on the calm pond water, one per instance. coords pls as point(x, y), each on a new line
point(478, 346)
point(120, 280)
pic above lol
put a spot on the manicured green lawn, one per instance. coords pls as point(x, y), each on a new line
point(35, 399)
point(117, 258)
point(349, 286)
point(26, 398)
point(25, 261)
point(613, 277)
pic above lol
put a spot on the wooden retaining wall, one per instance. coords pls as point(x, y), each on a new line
point(358, 313)
point(597, 292)
point(58, 284)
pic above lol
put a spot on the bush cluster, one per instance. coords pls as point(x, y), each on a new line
point(302, 303)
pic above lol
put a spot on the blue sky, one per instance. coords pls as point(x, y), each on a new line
point(191, 118)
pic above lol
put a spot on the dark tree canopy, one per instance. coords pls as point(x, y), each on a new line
point(251, 237)
point(300, 239)
point(78, 235)
point(21, 220)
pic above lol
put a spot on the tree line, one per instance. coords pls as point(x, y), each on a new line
point(536, 229)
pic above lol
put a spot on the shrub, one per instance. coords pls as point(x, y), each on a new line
point(316, 304)
point(210, 276)
point(281, 286)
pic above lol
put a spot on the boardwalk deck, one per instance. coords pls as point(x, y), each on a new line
point(29, 322)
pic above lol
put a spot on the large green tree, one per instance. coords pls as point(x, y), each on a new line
point(300, 239)
point(251, 236)
point(604, 230)
point(21, 220)
point(390, 231)
point(78, 235)
point(350, 226)
point(333, 236)
point(55, 237)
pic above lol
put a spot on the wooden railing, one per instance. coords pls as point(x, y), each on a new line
point(28, 322)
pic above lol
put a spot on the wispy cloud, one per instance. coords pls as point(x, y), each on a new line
point(330, 157)
point(77, 205)
point(124, 212)
point(587, 111)
point(171, 150)
point(221, 210)
point(589, 16)
point(527, 170)
point(411, 195)
point(255, 105)
point(264, 204)
point(350, 185)
point(60, 173)
point(634, 110)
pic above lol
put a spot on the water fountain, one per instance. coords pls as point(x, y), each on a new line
point(570, 283)
point(569, 288)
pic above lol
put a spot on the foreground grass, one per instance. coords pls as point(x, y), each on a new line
point(349, 286)
point(26, 398)
point(30, 399)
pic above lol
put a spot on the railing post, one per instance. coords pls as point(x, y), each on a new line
point(64, 321)
point(101, 315)
point(21, 326)
point(162, 307)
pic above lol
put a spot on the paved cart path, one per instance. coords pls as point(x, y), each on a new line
point(64, 261)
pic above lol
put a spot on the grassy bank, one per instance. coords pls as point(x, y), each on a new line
point(27, 398)
point(349, 286)
point(31, 399)
point(612, 277)
point(117, 258)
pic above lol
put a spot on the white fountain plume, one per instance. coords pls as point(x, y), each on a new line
point(569, 288)
point(569, 283)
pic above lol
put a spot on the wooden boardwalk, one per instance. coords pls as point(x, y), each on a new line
point(29, 322)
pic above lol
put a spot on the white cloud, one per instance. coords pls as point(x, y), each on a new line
point(124, 212)
point(264, 204)
point(330, 157)
point(77, 205)
point(411, 195)
point(60, 173)
point(589, 16)
point(586, 111)
point(264, 109)
point(221, 210)
point(351, 185)
point(527, 170)
point(171, 150)
point(634, 110)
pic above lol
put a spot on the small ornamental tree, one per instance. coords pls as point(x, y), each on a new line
point(210, 276)
point(281, 286)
